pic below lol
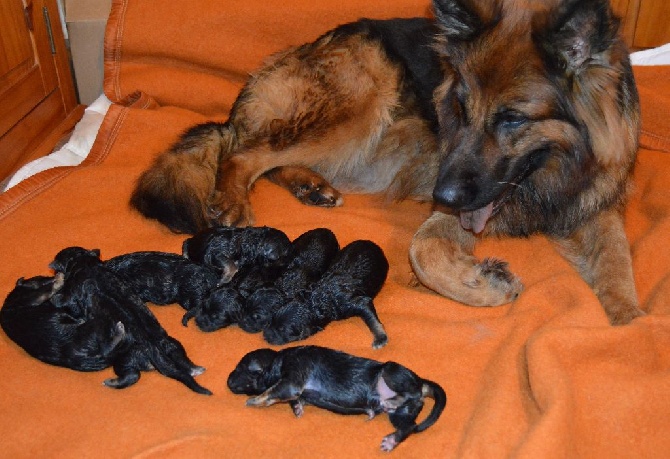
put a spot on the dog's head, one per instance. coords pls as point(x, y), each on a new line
point(537, 102)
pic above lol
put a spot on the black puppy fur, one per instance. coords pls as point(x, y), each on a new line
point(231, 249)
point(166, 278)
point(311, 254)
point(249, 259)
point(225, 303)
point(345, 290)
point(221, 309)
point(338, 382)
point(92, 289)
point(52, 334)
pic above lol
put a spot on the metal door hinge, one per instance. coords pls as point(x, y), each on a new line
point(28, 16)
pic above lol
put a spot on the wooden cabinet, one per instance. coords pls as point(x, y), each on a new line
point(653, 24)
point(37, 98)
point(646, 23)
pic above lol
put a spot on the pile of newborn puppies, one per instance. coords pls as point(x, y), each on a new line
point(287, 290)
point(92, 314)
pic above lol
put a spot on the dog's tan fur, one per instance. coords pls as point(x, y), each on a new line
point(535, 131)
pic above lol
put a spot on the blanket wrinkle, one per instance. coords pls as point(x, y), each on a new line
point(545, 376)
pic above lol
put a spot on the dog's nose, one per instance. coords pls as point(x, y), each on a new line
point(457, 194)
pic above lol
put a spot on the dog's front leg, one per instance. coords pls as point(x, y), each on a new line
point(600, 252)
point(442, 260)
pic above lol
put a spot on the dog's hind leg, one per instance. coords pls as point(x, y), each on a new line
point(441, 254)
point(306, 185)
point(176, 188)
point(601, 254)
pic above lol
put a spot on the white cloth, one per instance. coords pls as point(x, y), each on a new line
point(75, 150)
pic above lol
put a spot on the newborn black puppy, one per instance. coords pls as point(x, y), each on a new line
point(221, 309)
point(338, 382)
point(224, 305)
point(165, 278)
point(52, 335)
point(90, 286)
point(311, 254)
point(345, 290)
point(230, 249)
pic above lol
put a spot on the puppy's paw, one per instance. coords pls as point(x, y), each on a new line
point(389, 442)
point(197, 370)
point(298, 408)
point(380, 341)
point(259, 400)
point(230, 209)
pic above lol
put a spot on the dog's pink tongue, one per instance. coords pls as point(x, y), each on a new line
point(476, 219)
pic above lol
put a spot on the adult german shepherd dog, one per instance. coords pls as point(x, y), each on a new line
point(516, 117)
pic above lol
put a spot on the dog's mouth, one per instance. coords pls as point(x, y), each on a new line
point(475, 220)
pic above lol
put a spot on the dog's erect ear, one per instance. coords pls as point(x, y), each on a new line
point(458, 19)
point(576, 33)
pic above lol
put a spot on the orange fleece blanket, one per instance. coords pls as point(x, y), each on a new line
point(543, 377)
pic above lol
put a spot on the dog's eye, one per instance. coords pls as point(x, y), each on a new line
point(511, 120)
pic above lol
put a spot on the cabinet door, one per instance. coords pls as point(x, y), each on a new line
point(653, 24)
point(27, 71)
point(627, 11)
point(37, 98)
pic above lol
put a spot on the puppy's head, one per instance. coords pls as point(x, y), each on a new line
point(531, 101)
point(314, 250)
point(257, 312)
point(251, 375)
point(274, 248)
point(220, 310)
point(290, 323)
point(67, 258)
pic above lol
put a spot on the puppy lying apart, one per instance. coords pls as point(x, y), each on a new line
point(338, 382)
point(165, 278)
point(230, 249)
point(52, 334)
point(95, 292)
point(311, 254)
point(345, 290)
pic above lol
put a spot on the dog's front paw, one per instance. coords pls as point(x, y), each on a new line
point(230, 209)
point(492, 283)
point(442, 260)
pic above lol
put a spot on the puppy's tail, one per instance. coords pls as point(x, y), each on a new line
point(176, 189)
point(434, 391)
